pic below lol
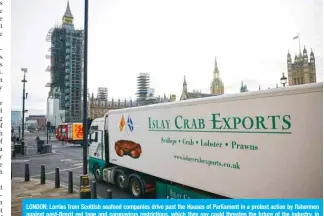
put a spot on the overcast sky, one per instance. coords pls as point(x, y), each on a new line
point(168, 39)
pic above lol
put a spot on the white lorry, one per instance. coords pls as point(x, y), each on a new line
point(263, 144)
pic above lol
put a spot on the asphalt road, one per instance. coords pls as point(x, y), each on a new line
point(67, 157)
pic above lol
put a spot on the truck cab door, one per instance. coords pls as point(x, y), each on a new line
point(106, 146)
point(96, 148)
point(100, 146)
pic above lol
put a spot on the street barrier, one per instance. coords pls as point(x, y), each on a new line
point(43, 148)
point(57, 177)
point(93, 190)
point(27, 175)
point(42, 176)
point(70, 184)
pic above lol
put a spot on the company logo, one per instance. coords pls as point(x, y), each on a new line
point(126, 125)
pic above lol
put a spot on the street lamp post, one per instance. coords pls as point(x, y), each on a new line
point(47, 120)
point(283, 80)
point(23, 111)
point(48, 125)
point(19, 132)
point(85, 192)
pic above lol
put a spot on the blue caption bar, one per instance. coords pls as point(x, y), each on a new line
point(169, 207)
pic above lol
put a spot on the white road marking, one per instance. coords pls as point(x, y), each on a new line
point(19, 161)
point(63, 160)
point(77, 164)
point(63, 170)
point(60, 146)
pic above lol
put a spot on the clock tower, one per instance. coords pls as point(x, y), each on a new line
point(68, 17)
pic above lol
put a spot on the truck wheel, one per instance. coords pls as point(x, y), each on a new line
point(135, 187)
point(96, 172)
point(120, 180)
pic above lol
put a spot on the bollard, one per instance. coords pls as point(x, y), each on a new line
point(57, 177)
point(85, 190)
point(94, 190)
point(22, 147)
point(27, 176)
point(42, 176)
point(70, 185)
point(109, 194)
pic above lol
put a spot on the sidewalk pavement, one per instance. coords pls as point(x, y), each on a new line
point(30, 155)
point(33, 189)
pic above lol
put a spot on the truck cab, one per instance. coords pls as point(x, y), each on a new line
point(96, 155)
point(138, 185)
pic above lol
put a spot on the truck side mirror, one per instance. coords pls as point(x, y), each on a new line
point(89, 138)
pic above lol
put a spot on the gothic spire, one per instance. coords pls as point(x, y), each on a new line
point(184, 81)
point(68, 11)
point(184, 86)
point(216, 71)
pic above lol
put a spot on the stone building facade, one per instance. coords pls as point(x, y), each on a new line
point(302, 70)
point(98, 107)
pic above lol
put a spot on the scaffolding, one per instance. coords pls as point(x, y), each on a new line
point(143, 83)
point(66, 67)
point(102, 94)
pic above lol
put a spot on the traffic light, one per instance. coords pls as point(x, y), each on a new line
point(48, 124)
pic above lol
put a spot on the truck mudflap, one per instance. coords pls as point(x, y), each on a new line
point(146, 184)
point(149, 188)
